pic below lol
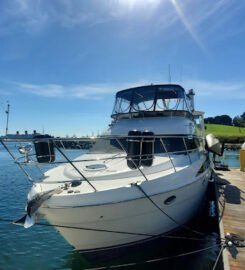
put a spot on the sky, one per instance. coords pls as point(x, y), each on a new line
point(61, 61)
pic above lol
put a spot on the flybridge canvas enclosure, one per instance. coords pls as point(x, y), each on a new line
point(151, 98)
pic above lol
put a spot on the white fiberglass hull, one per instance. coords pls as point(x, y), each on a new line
point(139, 216)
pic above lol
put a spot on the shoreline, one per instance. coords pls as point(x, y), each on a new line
point(233, 146)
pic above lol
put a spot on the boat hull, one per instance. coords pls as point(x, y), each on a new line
point(98, 227)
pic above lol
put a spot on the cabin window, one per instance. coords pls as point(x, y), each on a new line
point(174, 144)
point(149, 99)
point(171, 145)
point(114, 143)
point(143, 100)
point(123, 102)
point(108, 146)
point(168, 99)
point(158, 147)
point(192, 143)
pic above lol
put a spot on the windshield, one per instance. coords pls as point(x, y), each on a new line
point(150, 98)
point(143, 100)
point(102, 146)
point(168, 98)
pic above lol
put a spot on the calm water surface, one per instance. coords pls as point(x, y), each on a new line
point(231, 158)
point(43, 247)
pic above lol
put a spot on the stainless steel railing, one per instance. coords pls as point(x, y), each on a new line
point(61, 145)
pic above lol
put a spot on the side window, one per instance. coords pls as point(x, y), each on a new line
point(191, 143)
point(174, 144)
point(171, 144)
point(114, 143)
point(158, 147)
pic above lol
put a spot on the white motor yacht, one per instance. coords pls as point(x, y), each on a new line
point(145, 177)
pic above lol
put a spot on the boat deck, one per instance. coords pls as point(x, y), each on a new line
point(231, 200)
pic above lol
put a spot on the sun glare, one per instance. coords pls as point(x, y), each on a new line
point(136, 3)
point(187, 24)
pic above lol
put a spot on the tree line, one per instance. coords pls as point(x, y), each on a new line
point(238, 121)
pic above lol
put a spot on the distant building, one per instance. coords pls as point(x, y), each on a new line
point(18, 135)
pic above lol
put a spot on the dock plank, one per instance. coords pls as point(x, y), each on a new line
point(230, 187)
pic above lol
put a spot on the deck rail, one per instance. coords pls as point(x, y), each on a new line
point(115, 147)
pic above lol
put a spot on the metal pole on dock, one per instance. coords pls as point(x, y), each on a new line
point(7, 123)
point(242, 160)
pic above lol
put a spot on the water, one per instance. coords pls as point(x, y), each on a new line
point(44, 248)
point(230, 158)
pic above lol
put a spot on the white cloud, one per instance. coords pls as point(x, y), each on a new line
point(220, 90)
point(46, 90)
point(34, 16)
point(212, 89)
point(197, 17)
point(89, 91)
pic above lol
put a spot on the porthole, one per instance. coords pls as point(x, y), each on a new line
point(170, 200)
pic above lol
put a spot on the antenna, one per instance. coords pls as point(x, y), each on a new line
point(181, 73)
point(169, 73)
point(7, 122)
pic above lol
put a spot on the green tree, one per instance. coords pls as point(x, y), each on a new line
point(239, 121)
point(219, 119)
point(223, 120)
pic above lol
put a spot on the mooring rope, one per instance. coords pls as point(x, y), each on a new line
point(171, 218)
point(229, 241)
point(136, 233)
point(154, 260)
point(109, 231)
point(223, 246)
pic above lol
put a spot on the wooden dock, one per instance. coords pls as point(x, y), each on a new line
point(230, 187)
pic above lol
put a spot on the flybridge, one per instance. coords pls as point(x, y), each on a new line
point(153, 98)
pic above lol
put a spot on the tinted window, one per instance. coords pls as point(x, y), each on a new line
point(174, 144)
point(191, 143)
point(171, 144)
point(108, 146)
point(158, 147)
